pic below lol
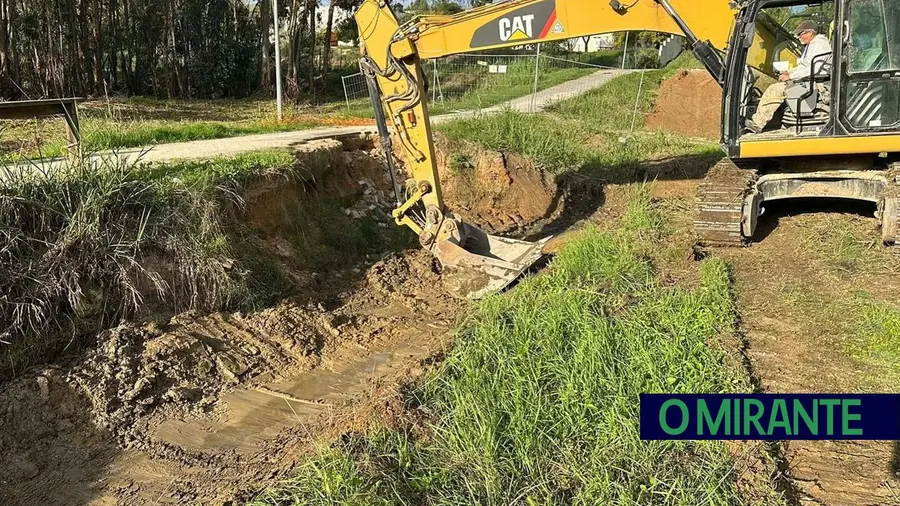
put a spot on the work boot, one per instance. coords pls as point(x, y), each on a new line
point(750, 126)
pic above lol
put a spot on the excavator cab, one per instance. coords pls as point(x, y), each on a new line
point(837, 133)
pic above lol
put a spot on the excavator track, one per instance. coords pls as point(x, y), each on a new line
point(720, 203)
point(889, 208)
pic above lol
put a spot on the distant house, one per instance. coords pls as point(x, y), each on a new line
point(594, 43)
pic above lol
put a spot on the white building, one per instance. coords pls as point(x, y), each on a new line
point(594, 43)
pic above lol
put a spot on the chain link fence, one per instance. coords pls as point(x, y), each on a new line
point(474, 81)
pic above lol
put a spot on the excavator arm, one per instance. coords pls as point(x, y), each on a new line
point(476, 263)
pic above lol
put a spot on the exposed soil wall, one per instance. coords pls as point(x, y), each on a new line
point(688, 103)
point(497, 191)
point(90, 248)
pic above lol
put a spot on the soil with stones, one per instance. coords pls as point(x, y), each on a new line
point(211, 408)
point(688, 103)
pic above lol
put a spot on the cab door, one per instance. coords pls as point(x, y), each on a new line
point(870, 66)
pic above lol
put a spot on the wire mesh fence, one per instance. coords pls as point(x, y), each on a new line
point(474, 81)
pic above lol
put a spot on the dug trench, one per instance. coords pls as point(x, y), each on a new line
point(208, 407)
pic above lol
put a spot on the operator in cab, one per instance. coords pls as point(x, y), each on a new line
point(815, 44)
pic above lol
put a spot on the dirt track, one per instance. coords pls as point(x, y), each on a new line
point(786, 290)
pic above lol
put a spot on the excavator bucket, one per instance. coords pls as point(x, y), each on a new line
point(484, 264)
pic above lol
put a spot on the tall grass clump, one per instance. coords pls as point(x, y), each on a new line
point(540, 138)
point(538, 403)
point(92, 241)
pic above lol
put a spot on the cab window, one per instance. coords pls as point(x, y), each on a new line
point(874, 43)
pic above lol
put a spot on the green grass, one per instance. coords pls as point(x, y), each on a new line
point(475, 89)
point(101, 134)
point(592, 134)
point(538, 401)
point(141, 121)
point(878, 334)
point(517, 82)
point(569, 145)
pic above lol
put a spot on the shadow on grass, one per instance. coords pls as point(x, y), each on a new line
point(776, 210)
point(581, 193)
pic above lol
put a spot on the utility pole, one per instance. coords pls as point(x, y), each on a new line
point(624, 53)
point(537, 69)
point(277, 61)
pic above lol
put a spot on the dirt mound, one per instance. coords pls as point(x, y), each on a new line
point(688, 103)
point(500, 192)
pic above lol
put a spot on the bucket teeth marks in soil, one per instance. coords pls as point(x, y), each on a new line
point(205, 407)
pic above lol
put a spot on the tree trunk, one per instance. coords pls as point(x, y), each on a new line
point(5, 27)
point(265, 62)
point(13, 41)
point(326, 52)
point(312, 45)
point(97, 36)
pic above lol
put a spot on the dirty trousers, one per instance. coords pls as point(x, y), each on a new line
point(769, 103)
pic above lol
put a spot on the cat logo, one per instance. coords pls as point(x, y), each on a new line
point(557, 27)
point(517, 28)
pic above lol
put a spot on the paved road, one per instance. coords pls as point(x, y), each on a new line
point(236, 145)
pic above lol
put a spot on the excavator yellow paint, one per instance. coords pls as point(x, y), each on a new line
point(437, 36)
point(819, 146)
point(391, 56)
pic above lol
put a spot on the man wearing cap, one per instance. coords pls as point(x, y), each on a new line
point(815, 45)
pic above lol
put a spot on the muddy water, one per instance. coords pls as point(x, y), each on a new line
point(207, 408)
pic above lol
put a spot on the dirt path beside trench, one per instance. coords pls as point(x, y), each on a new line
point(793, 294)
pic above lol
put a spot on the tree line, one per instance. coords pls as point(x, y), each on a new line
point(163, 48)
point(177, 48)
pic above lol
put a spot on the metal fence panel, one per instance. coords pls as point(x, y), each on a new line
point(474, 81)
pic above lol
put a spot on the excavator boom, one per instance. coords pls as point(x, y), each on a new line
point(476, 263)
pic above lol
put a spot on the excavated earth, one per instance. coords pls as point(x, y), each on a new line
point(688, 103)
point(211, 408)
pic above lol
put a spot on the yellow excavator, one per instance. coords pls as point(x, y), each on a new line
point(836, 136)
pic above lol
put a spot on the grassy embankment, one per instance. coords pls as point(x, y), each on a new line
point(537, 403)
point(89, 244)
point(592, 134)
